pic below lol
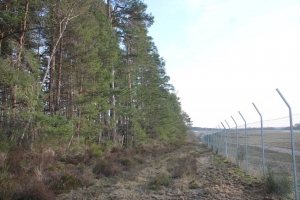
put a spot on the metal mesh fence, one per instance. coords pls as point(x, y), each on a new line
point(264, 153)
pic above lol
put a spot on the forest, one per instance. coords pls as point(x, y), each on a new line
point(83, 94)
point(83, 70)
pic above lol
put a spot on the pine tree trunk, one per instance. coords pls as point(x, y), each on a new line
point(130, 91)
point(13, 92)
point(108, 10)
point(2, 31)
point(112, 110)
point(14, 87)
point(59, 76)
point(23, 29)
point(129, 70)
point(51, 86)
point(69, 113)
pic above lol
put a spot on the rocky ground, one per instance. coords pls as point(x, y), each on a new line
point(190, 172)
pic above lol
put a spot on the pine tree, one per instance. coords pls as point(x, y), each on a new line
point(86, 69)
point(18, 69)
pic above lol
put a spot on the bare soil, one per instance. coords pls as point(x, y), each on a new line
point(190, 172)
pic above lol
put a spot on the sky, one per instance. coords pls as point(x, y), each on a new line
point(223, 55)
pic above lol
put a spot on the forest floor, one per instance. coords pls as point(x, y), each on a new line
point(191, 171)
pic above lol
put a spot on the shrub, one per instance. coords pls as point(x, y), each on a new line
point(7, 189)
point(116, 150)
point(279, 184)
point(142, 150)
point(178, 172)
point(3, 157)
point(97, 150)
point(72, 161)
point(76, 149)
point(110, 145)
point(86, 177)
point(106, 168)
point(127, 162)
point(83, 158)
point(3, 173)
point(128, 152)
point(162, 179)
point(33, 190)
point(65, 184)
point(139, 160)
point(14, 159)
point(242, 154)
point(183, 166)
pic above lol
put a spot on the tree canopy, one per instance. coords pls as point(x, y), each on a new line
point(85, 68)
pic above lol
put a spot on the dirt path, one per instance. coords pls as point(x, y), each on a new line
point(191, 172)
point(278, 149)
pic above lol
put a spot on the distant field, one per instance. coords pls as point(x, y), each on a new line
point(278, 155)
point(272, 138)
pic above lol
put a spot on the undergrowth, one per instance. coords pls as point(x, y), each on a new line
point(279, 184)
point(162, 179)
point(48, 167)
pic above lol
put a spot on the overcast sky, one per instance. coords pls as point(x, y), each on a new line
point(222, 55)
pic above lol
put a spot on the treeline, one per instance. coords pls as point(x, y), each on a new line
point(84, 68)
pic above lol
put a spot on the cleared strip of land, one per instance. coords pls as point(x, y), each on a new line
point(190, 172)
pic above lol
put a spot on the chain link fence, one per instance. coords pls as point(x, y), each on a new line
point(264, 152)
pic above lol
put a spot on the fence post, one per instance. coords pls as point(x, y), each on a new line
point(229, 143)
point(220, 140)
point(246, 141)
point(225, 140)
point(216, 140)
point(207, 137)
point(292, 144)
point(237, 143)
point(262, 139)
point(209, 140)
point(213, 141)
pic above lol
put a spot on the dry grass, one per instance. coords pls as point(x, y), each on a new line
point(200, 175)
point(175, 171)
point(40, 172)
point(274, 138)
